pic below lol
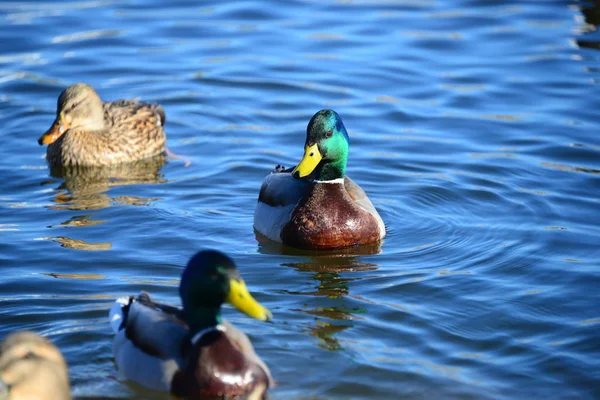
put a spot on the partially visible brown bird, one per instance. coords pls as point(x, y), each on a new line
point(31, 367)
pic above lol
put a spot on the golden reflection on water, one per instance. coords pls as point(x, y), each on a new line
point(78, 221)
point(79, 244)
point(84, 187)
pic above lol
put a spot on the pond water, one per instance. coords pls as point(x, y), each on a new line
point(474, 130)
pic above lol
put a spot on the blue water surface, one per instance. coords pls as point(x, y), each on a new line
point(474, 130)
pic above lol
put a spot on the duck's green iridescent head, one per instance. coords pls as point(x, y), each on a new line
point(209, 280)
point(326, 148)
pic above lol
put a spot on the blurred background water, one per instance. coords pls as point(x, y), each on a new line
point(474, 129)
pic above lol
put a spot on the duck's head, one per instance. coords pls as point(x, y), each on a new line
point(78, 106)
point(209, 280)
point(326, 148)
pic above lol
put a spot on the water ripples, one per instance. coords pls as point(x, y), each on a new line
point(473, 129)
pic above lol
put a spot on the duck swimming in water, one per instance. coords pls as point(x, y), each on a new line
point(316, 206)
point(90, 132)
point(193, 352)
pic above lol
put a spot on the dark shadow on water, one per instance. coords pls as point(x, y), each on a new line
point(267, 246)
point(592, 14)
point(592, 17)
point(84, 187)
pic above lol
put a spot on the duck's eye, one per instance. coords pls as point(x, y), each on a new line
point(329, 133)
point(74, 105)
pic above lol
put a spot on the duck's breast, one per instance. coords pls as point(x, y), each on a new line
point(328, 218)
point(218, 366)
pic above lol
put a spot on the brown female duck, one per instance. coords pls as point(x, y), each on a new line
point(90, 132)
point(31, 367)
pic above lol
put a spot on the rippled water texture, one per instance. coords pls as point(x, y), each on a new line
point(474, 129)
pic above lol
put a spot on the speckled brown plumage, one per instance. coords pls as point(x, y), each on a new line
point(328, 218)
point(124, 131)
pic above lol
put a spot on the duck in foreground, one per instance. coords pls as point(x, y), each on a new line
point(90, 132)
point(31, 367)
point(192, 353)
point(326, 209)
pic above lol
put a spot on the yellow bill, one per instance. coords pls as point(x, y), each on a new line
point(240, 298)
point(56, 130)
point(312, 158)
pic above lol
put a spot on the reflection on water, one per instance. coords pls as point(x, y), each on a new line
point(78, 221)
point(330, 269)
point(76, 276)
point(84, 187)
point(79, 244)
point(474, 133)
point(327, 271)
point(331, 273)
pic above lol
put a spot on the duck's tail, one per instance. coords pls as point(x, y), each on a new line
point(118, 313)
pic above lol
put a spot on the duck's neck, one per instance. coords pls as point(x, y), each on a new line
point(202, 318)
point(332, 170)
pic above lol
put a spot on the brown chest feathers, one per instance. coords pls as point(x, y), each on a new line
point(220, 370)
point(328, 218)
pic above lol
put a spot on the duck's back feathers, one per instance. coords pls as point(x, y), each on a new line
point(279, 195)
point(132, 131)
point(148, 324)
point(135, 127)
point(119, 112)
point(142, 368)
point(281, 190)
point(148, 344)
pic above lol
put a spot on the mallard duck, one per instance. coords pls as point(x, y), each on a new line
point(315, 205)
point(192, 352)
point(90, 132)
point(31, 367)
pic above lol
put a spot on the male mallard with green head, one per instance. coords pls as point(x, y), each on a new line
point(90, 132)
point(31, 367)
point(193, 352)
point(326, 209)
